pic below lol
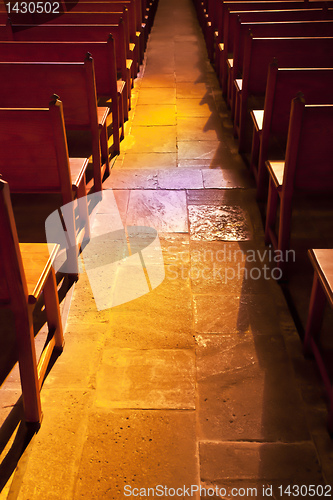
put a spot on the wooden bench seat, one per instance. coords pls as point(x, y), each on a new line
point(306, 169)
point(30, 84)
point(270, 125)
point(26, 271)
point(34, 159)
point(321, 294)
point(258, 54)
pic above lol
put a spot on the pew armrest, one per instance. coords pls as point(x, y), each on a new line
point(257, 116)
point(276, 171)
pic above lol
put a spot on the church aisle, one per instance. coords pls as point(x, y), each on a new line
point(193, 383)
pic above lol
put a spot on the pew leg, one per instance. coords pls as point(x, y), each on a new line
point(105, 146)
point(271, 212)
point(284, 224)
point(316, 313)
point(255, 152)
point(28, 367)
point(83, 208)
point(51, 300)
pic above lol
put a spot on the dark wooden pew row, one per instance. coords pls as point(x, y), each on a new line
point(271, 124)
point(316, 28)
point(34, 159)
point(81, 33)
point(109, 92)
point(258, 54)
point(30, 84)
point(102, 18)
point(22, 281)
point(232, 24)
point(305, 170)
point(138, 28)
point(216, 36)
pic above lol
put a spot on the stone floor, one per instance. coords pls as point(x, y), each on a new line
point(201, 381)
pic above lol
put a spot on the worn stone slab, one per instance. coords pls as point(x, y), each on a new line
point(180, 179)
point(198, 150)
point(234, 462)
point(235, 314)
point(195, 107)
point(157, 96)
point(132, 179)
point(163, 210)
point(160, 139)
point(247, 390)
point(228, 267)
point(137, 449)
point(226, 178)
point(159, 78)
point(154, 379)
point(152, 161)
point(195, 90)
point(243, 200)
point(51, 462)
point(224, 222)
point(161, 319)
point(201, 129)
point(152, 114)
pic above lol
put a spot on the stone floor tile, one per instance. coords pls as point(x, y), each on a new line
point(236, 314)
point(63, 430)
point(194, 107)
point(198, 150)
point(150, 114)
point(220, 314)
point(157, 95)
point(220, 267)
point(242, 200)
point(137, 449)
point(158, 79)
point(180, 179)
point(152, 161)
point(223, 222)
point(226, 178)
point(132, 179)
point(232, 462)
point(200, 129)
point(150, 379)
point(247, 390)
point(164, 210)
point(160, 139)
point(195, 90)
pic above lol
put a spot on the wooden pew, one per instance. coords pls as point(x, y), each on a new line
point(258, 54)
point(137, 28)
point(274, 29)
point(104, 18)
point(30, 84)
point(306, 168)
point(321, 294)
point(34, 159)
point(271, 124)
point(26, 271)
point(82, 33)
point(233, 21)
point(109, 91)
point(217, 37)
